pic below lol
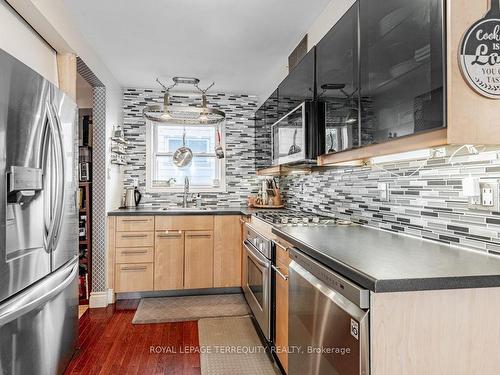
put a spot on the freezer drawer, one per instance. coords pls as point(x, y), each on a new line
point(38, 327)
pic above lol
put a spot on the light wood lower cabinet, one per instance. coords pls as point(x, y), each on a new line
point(174, 252)
point(282, 314)
point(134, 277)
point(198, 259)
point(169, 260)
point(227, 251)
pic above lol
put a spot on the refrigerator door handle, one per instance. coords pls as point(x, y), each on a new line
point(55, 225)
point(38, 295)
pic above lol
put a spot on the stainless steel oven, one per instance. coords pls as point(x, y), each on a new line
point(257, 277)
point(328, 319)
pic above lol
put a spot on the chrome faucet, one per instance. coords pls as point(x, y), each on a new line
point(186, 192)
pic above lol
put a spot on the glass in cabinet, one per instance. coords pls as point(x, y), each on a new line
point(337, 74)
point(298, 86)
point(401, 68)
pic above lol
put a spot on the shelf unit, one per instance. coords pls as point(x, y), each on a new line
point(85, 206)
point(85, 242)
point(118, 151)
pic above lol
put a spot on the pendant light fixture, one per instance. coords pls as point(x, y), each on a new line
point(189, 114)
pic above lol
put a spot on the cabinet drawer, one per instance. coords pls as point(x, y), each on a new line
point(134, 277)
point(191, 222)
point(134, 255)
point(282, 253)
point(135, 223)
point(134, 239)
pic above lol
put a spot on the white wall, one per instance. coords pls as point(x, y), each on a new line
point(19, 40)
point(52, 19)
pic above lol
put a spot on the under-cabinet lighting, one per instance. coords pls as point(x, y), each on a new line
point(410, 155)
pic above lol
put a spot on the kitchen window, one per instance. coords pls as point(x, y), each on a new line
point(206, 173)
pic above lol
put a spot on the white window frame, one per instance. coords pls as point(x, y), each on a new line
point(151, 154)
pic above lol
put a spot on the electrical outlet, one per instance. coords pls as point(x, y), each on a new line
point(487, 196)
point(490, 196)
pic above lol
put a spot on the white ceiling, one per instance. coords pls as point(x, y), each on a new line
point(241, 45)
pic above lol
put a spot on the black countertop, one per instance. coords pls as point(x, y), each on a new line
point(177, 211)
point(382, 261)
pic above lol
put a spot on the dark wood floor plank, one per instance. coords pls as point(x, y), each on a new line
point(108, 343)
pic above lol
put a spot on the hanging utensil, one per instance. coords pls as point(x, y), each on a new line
point(219, 151)
point(183, 156)
point(332, 143)
point(294, 149)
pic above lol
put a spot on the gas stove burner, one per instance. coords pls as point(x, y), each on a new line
point(298, 218)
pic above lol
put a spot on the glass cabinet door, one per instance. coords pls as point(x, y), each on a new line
point(298, 86)
point(265, 117)
point(337, 74)
point(401, 68)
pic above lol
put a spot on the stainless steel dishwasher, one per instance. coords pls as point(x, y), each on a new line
point(328, 321)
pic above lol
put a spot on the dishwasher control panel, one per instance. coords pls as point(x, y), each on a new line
point(347, 288)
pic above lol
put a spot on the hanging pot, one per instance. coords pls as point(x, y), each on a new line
point(183, 156)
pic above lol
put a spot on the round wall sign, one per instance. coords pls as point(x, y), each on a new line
point(480, 54)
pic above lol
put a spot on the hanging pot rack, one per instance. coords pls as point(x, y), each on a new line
point(184, 115)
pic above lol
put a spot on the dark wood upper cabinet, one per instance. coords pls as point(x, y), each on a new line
point(402, 68)
point(337, 74)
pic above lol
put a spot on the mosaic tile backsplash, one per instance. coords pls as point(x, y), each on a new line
point(427, 203)
point(239, 142)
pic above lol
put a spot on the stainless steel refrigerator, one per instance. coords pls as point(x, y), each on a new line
point(38, 223)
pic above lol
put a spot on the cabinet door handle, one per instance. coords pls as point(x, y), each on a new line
point(277, 270)
point(136, 220)
point(134, 235)
point(134, 251)
point(169, 235)
point(135, 268)
point(200, 235)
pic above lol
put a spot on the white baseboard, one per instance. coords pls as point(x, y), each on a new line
point(111, 296)
point(98, 299)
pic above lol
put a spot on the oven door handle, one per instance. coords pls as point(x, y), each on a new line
point(255, 256)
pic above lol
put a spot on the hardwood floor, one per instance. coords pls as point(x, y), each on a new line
point(110, 344)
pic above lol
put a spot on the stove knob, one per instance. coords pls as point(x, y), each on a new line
point(284, 220)
point(305, 220)
point(295, 220)
point(315, 220)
